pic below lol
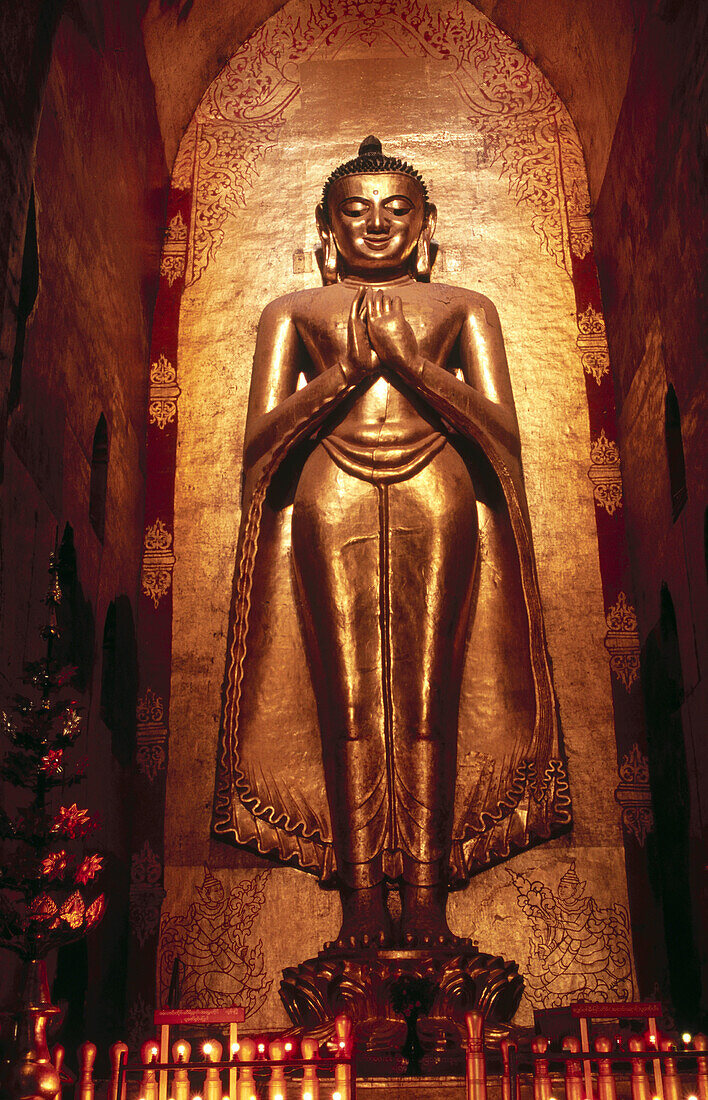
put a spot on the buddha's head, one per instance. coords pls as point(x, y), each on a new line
point(375, 220)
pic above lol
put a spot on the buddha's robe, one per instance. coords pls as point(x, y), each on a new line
point(387, 700)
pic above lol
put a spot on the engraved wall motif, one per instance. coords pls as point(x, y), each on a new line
point(592, 344)
point(622, 641)
point(146, 893)
point(605, 474)
point(164, 392)
point(174, 250)
point(151, 735)
point(579, 950)
point(158, 562)
point(524, 129)
point(634, 795)
point(213, 942)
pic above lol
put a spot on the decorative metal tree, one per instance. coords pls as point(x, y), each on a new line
point(48, 892)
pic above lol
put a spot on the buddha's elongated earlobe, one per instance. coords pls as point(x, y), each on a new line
point(329, 248)
point(422, 259)
point(423, 264)
point(329, 267)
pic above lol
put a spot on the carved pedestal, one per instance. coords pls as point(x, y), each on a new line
point(374, 985)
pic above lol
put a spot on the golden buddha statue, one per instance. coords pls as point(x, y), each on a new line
point(389, 720)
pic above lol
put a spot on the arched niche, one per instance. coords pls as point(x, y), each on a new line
point(444, 88)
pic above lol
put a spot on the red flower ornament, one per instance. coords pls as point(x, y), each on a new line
point(72, 822)
point(73, 909)
point(53, 762)
point(43, 908)
point(88, 869)
point(54, 865)
point(95, 911)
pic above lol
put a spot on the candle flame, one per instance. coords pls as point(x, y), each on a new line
point(686, 1037)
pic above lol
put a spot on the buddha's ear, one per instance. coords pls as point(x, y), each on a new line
point(329, 248)
point(423, 262)
point(431, 220)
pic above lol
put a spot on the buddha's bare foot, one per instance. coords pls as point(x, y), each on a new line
point(423, 918)
point(366, 921)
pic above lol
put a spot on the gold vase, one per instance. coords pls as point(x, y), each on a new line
point(30, 1074)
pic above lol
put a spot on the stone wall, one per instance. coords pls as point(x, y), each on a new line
point(650, 233)
point(99, 189)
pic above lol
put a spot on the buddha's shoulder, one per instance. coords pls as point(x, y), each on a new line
point(467, 301)
point(298, 302)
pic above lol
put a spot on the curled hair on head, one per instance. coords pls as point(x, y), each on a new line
point(371, 159)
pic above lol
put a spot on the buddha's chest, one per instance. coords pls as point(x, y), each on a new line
point(324, 327)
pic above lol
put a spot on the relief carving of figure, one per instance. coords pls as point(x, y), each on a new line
point(389, 719)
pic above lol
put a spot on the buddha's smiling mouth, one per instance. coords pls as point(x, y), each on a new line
point(377, 242)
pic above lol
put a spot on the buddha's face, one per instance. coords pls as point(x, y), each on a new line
point(376, 220)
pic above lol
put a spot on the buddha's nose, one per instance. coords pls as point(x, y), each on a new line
point(377, 221)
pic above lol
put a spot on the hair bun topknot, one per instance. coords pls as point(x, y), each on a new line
point(371, 159)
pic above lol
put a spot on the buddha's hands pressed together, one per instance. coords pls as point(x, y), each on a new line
point(360, 360)
point(391, 337)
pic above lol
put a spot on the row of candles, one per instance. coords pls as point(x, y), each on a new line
point(249, 1057)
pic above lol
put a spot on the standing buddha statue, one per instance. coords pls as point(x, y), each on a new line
point(368, 647)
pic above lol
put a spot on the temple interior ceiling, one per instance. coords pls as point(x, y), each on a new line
point(584, 47)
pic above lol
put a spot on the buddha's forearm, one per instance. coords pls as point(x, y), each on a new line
point(464, 407)
point(298, 415)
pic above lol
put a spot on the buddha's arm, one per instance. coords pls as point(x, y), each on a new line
point(278, 412)
point(484, 400)
point(485, 397)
